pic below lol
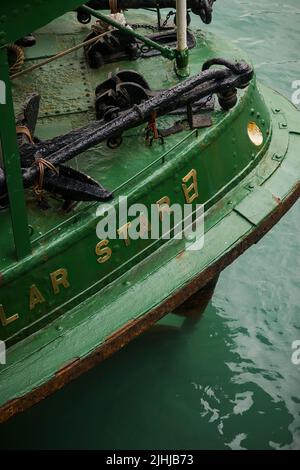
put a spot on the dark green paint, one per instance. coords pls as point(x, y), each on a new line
point(33, 14)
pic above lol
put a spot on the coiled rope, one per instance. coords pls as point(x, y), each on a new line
point(16, 58)
point(42, 164)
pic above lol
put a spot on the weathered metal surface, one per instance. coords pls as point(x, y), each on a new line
point(231, 235)
point(199, 86)
point(65, 294)
point(192, 90)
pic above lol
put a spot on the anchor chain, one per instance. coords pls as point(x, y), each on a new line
point(171, 13)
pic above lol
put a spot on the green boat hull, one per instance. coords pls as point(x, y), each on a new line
point(76, 299)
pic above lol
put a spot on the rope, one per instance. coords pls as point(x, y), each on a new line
point(18, 58)
point(42, 164)
point(24, 130)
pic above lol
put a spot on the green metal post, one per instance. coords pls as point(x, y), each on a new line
point(182, 52)
point(165, 51)
point(12, 166)
point(182, 68)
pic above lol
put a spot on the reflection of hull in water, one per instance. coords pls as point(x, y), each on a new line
point(79, 298)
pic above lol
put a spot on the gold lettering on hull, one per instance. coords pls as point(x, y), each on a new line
point(123, 233)
point(103, 251)
point(191, 191)
point(59, 278)
point(35, 297)
point(4, 320)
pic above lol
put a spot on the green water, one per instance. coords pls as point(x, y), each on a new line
point(228, 381)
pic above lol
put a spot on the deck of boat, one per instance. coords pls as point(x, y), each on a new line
point(67, 89)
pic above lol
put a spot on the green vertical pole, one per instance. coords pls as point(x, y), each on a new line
point(12, 166)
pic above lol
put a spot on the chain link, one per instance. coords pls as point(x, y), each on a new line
point(151, 27)
point(171, 13)
point(144, 26)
